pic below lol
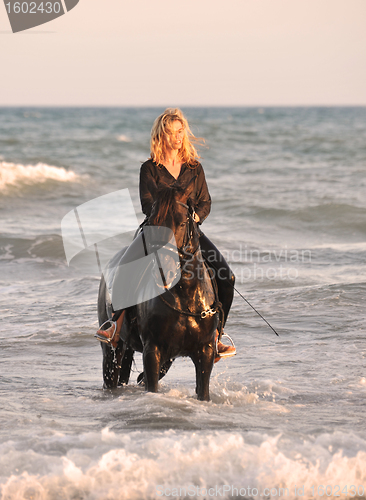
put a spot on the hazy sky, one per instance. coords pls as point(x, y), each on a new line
point(189, 52)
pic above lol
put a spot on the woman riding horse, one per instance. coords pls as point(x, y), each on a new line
point(174, 163)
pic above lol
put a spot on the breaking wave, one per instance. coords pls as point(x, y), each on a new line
point(12, 174)
point(169, 464)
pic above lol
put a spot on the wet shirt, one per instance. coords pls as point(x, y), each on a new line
point(152, 176)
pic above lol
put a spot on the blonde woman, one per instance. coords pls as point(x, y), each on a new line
point(174, 162)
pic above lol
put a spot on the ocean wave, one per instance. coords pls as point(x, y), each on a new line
point(42, 247)
point(13, 174)
point(123, 138)
point(358, 247)
point(142, 465)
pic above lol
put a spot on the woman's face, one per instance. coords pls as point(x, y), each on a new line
point(175, 138)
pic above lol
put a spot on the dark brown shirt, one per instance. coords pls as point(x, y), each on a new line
point(153, 175)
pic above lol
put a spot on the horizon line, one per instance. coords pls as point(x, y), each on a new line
point(183, 105)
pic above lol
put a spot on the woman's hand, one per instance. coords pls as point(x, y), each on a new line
point(196, 218)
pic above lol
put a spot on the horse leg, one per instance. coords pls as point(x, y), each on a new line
point(112, 363)
point(203, 361)
point(125, 371)
point(151, 358)
point(163, 371)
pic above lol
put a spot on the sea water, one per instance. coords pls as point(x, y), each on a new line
point(287, 414)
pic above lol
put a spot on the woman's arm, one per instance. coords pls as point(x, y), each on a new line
point(203, 198)
point(148, 187)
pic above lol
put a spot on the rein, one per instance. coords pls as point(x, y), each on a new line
point(215, 308)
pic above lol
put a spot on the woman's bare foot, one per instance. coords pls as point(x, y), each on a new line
point(112, 333)
point(224, 351)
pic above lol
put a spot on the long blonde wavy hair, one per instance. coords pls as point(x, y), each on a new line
point(162, 127)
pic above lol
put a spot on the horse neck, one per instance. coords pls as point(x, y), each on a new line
point(192, 269)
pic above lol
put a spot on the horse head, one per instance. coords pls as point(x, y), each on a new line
point(174, 209)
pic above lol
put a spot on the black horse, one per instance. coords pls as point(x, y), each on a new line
point(182, 321)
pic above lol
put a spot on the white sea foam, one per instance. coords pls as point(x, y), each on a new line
point(12, 174)
point(6, 253)
point(139, 466)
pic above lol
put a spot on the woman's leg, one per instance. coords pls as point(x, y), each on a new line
point(225, 278)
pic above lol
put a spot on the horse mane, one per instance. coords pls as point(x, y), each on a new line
point(165, 205)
